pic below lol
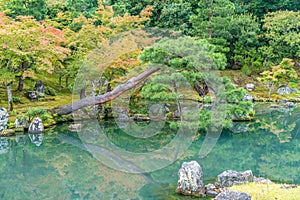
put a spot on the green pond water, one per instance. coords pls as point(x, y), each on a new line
point(65, 165)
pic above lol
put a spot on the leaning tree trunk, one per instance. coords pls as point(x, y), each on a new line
point(120, 89)
point(9, 97)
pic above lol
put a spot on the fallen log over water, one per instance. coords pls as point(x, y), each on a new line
point(120, 89)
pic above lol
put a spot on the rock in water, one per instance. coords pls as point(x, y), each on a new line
point(75, 127)
point(233, 195)
point(36, 126)
point(3, 119)
point(190, 179)
point(40, 88)
point(230, 178)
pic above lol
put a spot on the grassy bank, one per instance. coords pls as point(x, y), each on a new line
point(268, 192)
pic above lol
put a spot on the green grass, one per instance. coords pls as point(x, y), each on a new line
point(50, 80)
point(268, 192)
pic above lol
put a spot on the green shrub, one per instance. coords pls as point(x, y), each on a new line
point(16, 99)
point(50, 91)
point(31, 113)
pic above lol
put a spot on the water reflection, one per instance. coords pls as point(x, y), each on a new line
point(63, 165)
point(36, 139)
point(4, 145)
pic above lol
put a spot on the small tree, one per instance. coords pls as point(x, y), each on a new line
point(279, 74)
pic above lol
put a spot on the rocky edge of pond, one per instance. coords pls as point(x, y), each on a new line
point(36, 125)
point(190, 182)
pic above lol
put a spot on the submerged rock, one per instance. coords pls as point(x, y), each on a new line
point(36, 126)
point(190, 179)
point(3, 119)
point(229, 178)
point(233, 195)
point(238, 127)
point(75, 127)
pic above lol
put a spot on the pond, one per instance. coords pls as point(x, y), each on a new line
point(86, 165)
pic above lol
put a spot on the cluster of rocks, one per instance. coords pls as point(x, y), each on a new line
point(190, 182)
point(39, 91)
point(282, 90)
point(36, 126)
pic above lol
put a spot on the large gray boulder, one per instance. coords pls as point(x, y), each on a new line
point(36, 126)
point(40, 88)
point(190, 179)
point(285, 89)
point(229, 178)
point(3, 119)
point(32, 95)
point(233, 195)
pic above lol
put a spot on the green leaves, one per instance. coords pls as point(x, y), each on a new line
point(283, 35)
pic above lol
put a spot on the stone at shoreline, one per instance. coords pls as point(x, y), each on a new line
point(36, 126)
point(7, 133)
point(212, 190)
point(75, 127)
point(250, 87)
point(190, 180)
point(285, 89)
point(233, 195)
point(21, 125)
point(289, 105)
point(248, 97)
point(229, 178)
point(261, 180)
point(3, 119)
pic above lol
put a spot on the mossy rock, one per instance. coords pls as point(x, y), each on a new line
point(7, 133)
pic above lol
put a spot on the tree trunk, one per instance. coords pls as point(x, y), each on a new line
point(120, 89)
point(21, 84)
point(21, 79)
point(59, 82)
point(67, 81)
point(9, 97)
point(82, 94)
